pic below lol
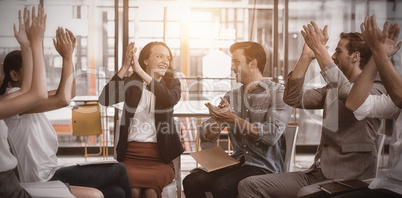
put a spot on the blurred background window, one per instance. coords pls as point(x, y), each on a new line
point(199, 33)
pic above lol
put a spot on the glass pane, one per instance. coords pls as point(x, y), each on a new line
point(151, 29)
point(173, 29)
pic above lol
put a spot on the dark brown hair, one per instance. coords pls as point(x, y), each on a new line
point(252, 50)
point(357, 44)
point(146, 53)
point(13, 61)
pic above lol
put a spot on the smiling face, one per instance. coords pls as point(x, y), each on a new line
point(158, 61)
point(342, 58)
point(240, 66)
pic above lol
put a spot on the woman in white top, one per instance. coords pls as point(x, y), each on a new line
point(34, 137)
point(20, 101)
point(32, 92)
point(148, 140)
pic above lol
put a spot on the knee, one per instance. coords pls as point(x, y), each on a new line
point(245, 185)
point(120, 168)
point(97, 194)
point(188, 181)
point(150, 193)
point(193, 180)
point(136, 192)
point(79, 191)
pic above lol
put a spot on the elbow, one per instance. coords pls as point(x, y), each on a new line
point(40, 97)
point(170, 102)
point(289, 101)
point(292, 103)
point(73, 93)
point(286, 100)
point(398, 102)
point(350, 106)
point(174, 102)
point(63, 102)
point(268, 141)
point(397, 99)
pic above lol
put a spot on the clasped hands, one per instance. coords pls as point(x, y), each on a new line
point(131, 59)
point(222, 112)
point(317, 38)
point(374, 37)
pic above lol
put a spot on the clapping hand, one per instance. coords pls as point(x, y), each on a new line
point(131, 59)
point(314, 36)
point(222, 112)
point(374, 37)
point(135, 64)
point(390, 44)
point(65, 42)
point(21, 34)
point(36, 31)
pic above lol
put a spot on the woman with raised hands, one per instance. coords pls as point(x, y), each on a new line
point(35, 139)
point(148, 140)
point(32, 92)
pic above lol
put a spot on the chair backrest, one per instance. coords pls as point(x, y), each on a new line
point(379, 143)
point(19, 172)
point(87, 120)
point(116, 137)
point(290, 137)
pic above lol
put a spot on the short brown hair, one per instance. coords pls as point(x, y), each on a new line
point(252, 50)
point(357, 44)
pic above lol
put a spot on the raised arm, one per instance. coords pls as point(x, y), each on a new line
point(74, 42)
point(114, 90)
point(64, 44)
point(294, 94)
point(37, 92)
point(382, 44)
point(35, 35)
point(26, 50)
point(391, 78)
point(333, 76)
point(26, 53)
point(138, 69)
point(316, 39)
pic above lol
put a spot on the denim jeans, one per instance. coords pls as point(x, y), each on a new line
point(111, 179)
point(10, 186)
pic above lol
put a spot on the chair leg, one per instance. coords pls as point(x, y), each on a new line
point(85, 146)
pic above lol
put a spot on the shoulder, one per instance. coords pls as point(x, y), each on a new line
point(271, 86)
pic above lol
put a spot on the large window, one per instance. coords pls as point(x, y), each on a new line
point(199, 33)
